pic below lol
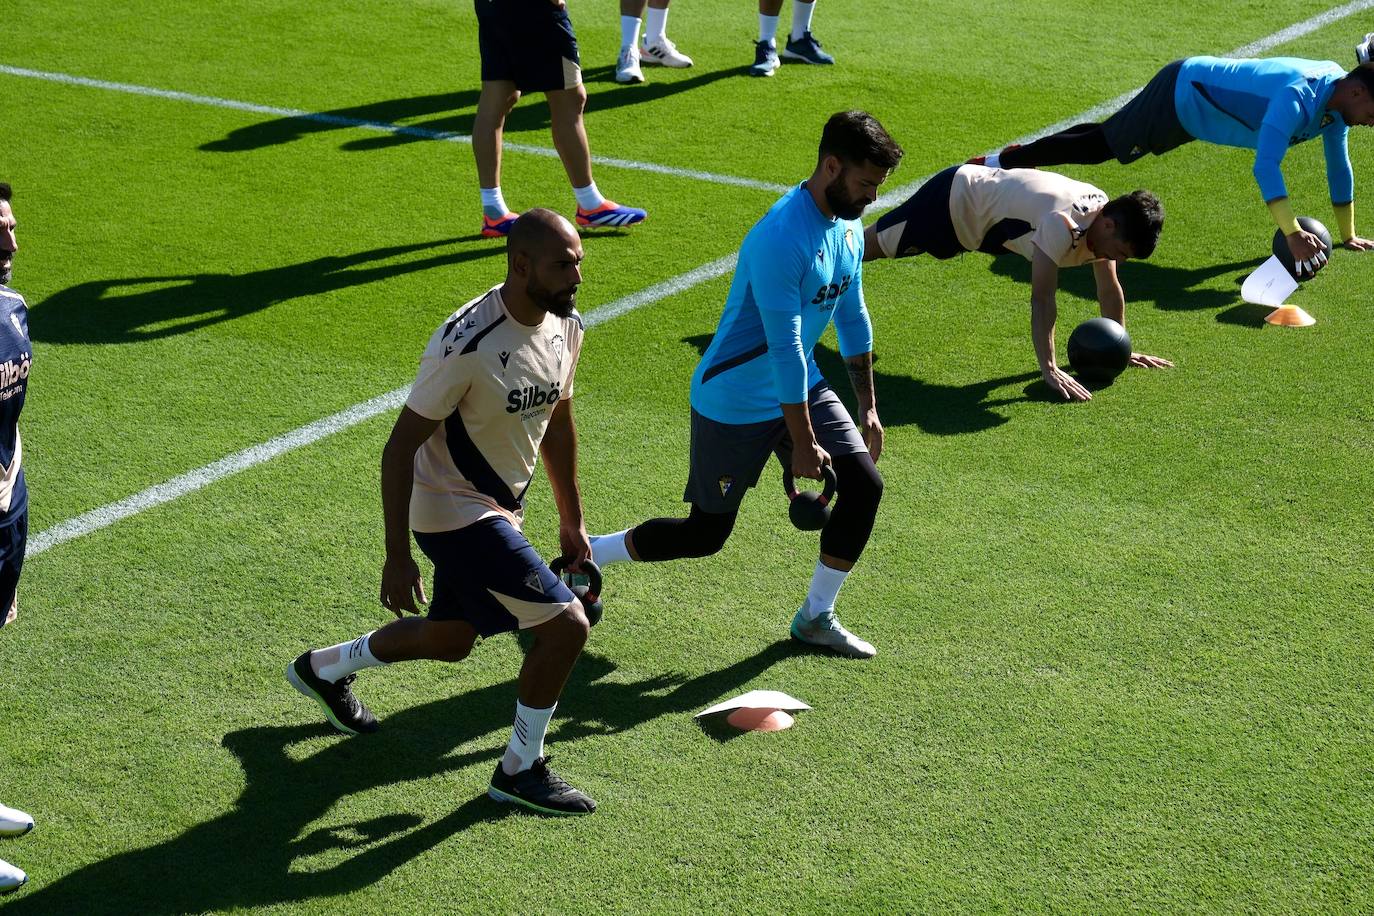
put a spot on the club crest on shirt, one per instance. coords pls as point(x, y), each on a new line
point(533, 582)
point(726, 483)
point(556, 344)
point(849, 241)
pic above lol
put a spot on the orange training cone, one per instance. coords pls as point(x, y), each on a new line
point(1290, 316)
point(750, 719)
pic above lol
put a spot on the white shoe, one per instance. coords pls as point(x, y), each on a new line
point(627, 67)
point(825, 631)
point(664, 53)
point(11, 878)
point(1364, 51)
point(14, 823)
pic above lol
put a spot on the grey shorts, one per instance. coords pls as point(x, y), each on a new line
point(1149, 122)
point(727, 458)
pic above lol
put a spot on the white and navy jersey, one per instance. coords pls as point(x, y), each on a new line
point(494, 383)
point(1022, 210)
point(16, 355)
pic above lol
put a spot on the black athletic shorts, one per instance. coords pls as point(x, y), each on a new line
point(529, 43)
point(14, 537)
point(1149, 122)
point(922, 225)
point(727, 458)
point(488, 574)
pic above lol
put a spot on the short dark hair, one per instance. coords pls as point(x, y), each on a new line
point(5, 191)
point(856, 137)
point(1139, 218)
point(1364, 74)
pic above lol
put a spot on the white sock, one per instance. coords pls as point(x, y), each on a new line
point(338, 662)
point(629, 31)
point(589, 198)
point(768, 27)
point(610, 548)
point(994, 161)
point(655, 23)
point(526, 738)
point(493, 204)
point(825, 586)
point(801, 18)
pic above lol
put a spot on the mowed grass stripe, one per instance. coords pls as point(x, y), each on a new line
point(381, 127)
point(177, 487)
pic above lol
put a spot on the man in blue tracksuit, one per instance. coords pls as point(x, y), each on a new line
point(758, 391)
point(1263, 105)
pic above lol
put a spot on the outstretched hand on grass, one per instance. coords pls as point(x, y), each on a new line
point(402, 588)
point(1065, 385)
point(1146, 361)
point(1355, 243)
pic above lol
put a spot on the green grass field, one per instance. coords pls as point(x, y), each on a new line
point(1125, 646)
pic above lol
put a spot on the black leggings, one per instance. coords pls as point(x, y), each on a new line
point(858, 487)
point(1085, 144)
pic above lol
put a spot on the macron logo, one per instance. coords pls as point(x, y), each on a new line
point(505, 358)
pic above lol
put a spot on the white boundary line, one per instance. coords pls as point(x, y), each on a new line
point(184, 484)
point(381, 127)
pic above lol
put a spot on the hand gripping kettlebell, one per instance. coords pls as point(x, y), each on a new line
point(808, 509)
point(589, 594)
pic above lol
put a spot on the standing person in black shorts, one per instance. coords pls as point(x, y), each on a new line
point(16, 355)
point(493, 394)
point(529, 46)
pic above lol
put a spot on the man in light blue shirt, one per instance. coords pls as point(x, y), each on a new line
point(1263, 105)
point(757, 390)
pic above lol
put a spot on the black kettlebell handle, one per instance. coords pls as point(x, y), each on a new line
point(589, 569)
point(789, 484)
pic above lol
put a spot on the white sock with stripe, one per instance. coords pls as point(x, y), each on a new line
point(526, 738)
point(338, 662)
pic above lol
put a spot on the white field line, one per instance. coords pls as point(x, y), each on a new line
point(381, 127)
point(187, 483)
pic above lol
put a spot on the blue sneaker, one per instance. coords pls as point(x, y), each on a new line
point(765, 59)
point(610, 215)
point(807, 50)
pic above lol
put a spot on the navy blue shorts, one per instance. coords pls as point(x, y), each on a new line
point(529, 43)
point(922, 225)
point(490, 576)
point(14, 537)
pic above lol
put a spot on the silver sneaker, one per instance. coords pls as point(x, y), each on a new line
point(827, 632)
point(14, 822)
point(663, 52)
point(627, 67)
point(11, 878)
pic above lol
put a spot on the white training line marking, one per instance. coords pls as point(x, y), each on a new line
point(383, 127)
point(187, 483)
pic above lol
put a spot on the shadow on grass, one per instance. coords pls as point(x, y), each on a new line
point(1247, 314)
point(1171, 289)
point(942, 410)
point(253, 854)
point(443, 113)
point(134, 309)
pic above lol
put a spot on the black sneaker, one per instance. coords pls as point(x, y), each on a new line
point(539, 789)
point(343, 710)
point(765, 59)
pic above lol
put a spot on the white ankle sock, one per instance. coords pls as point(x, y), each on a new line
point(610, 548)
point(825, 587)
point(801, 18)
point(768, 27)
point(338, 662)
point(655, 24)
point(526, 738)
point(493, 204)
point(629, 31)
point(589, 198)
point(994, 161)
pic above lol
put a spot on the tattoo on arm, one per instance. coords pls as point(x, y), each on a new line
point(861, 376)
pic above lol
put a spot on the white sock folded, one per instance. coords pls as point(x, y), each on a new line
point(493, 204)
point(589, 198)
point(994, 161)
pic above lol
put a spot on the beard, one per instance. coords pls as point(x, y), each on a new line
point(5, 274)
point(559, 302)
point(841, 204)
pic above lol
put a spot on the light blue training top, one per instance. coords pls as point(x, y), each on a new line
point(796, 268)
point(1267, 106)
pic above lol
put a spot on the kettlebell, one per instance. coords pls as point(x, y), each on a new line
point(589, 594)
point(808, 509)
